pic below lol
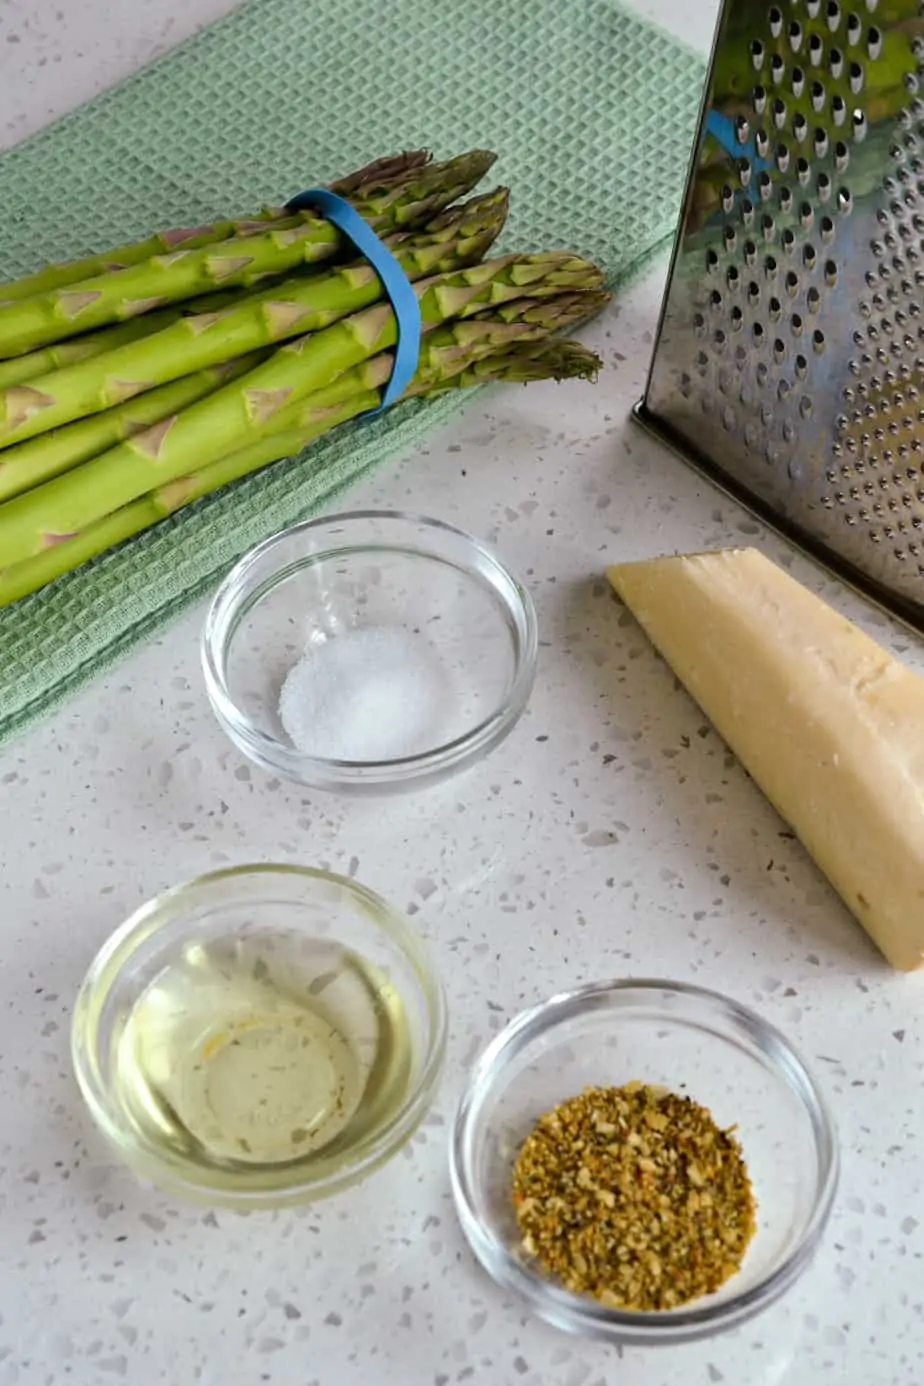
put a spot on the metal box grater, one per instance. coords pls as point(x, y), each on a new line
point(789, 361)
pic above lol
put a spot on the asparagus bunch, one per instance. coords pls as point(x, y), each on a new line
point(139, 380)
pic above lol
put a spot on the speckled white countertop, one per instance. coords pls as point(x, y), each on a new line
point(611, 834)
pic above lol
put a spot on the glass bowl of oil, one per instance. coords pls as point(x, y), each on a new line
point(260, 1036)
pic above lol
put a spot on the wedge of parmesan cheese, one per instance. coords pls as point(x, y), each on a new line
point(829, 724)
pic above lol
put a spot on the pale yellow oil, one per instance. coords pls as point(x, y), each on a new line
point(244, 1056)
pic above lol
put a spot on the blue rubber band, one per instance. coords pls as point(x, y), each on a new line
point(395, 282)
point(722, 130)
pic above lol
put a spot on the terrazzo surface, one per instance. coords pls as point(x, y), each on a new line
point(611, 835)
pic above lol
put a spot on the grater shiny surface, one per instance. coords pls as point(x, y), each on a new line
point(789, 362)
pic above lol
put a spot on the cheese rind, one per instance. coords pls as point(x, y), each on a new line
point(828, 723)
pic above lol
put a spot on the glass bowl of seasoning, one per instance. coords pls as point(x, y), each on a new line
point(260, 1036)
point(643, 1162)
point(369, 651)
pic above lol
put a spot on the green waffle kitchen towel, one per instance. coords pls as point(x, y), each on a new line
point(591, 110)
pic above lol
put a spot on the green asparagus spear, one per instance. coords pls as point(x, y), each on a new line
point(557, 360)
point(373, 177)
point(20, 369)
point(57, 276)
point(303, 304)
point(28, 323)
point(238, 413)
point(39, 459)
point(51, 358)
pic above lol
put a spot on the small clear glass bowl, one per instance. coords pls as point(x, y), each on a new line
point(691, 1041)
point(273, 926)
point(414, 651)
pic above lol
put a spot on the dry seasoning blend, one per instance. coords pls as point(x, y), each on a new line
point(634, 1195)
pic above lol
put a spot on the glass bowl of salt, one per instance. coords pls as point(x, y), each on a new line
point(371, 651)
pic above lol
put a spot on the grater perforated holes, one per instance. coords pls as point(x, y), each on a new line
point(841, 156)
point(806, 216)
point(777, 69)
point(732, 277)
point(778, 112)
point(775, 20)
point(817, 96)
point(765, 186)
point(757, 55)
point(809, 257)
point(860, 126)
point(813, 300)
point(823, 187)
point(785, 199)
point(838, 109)
point(795, 35)
point(856, 77)
point(730, 237)
point(762, 144)
point(728, 199)
point(759, 100)
point(782, 158)
point(816, 50)
point(742, 129)
point(833, 15)
point(800, 127)
point(747, 213)
point(775, 310)
point(803, 171)
point(874, 42)
point(750, 253)
point(818, 342)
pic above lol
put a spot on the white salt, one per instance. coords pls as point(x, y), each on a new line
point(368, 694)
